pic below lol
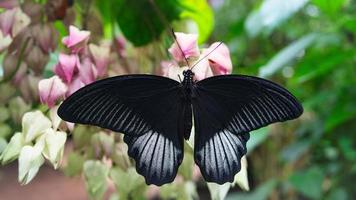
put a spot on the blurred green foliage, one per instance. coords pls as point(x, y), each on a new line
point(312, 51)
point(308, 46)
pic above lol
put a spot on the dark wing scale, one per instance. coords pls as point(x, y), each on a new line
point(143, 107)
point(226, 109)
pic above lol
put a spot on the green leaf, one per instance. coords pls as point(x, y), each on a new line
point(314, 65)
point(343, 111)
point(339, 194)
point(95, 174)
point(108, 10)
point(74, 164)
point(202, 14)
point(256, 138)
point(295, 150)
point(129, 184)
point(308, 182)
point(271, 14)
point(286, 55)
point(262, 192)
point(329, 6)
point(140, 22)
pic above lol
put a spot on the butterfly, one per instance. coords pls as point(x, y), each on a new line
point(156, 115)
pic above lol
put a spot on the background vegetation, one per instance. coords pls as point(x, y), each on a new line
point(307, 46)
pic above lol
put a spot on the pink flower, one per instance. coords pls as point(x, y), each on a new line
point(77, 39)
point(66, 67)
point(13, 21)
point(75, 85)
point(188, 44)
point(219, 60)
point(51, 89)
point(101, 57)
point(47, 36)
point(7, 20)
point(172, 70)
point(202, 69)
point(214, 60)
point(87, 71)
point(8, 4)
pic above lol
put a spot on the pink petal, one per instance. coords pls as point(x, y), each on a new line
point(75, 85)
point(51, 89)
point(188, 44)
point(66, 67)
point(202, 69)
point(76, 40)
point(87, 72)
point(219, 60)
point(8, 4)
point(101, 57)
point(7, 19)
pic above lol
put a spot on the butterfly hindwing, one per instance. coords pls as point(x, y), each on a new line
point(226, 108)
point(146, 109)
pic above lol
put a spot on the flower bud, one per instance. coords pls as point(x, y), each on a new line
point(17, 108)
point(46, 36)
point(29, 88)
point(54, 146)
point(34, 124)
point(21, 21)
point(87, 71)
point(51, 90)
point(77, 40)
point(101, 57)
point(33, 11)
point(5, 41)
point(13, 149)
point(66, 67)
point(37, 60)
point(30, 161)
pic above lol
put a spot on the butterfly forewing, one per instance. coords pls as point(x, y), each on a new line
point(226, 108)
point(146, 109)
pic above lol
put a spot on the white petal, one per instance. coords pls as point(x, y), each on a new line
point(13, 149)
point(34, 124)
point(54, 146)
point(218, 192)
point(30, 160)
point(241, 178)
point(56, 120)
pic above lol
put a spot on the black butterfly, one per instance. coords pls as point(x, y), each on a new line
point(155, 114)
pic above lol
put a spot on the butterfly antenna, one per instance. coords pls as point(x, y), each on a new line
point(180, 48)
point(166, 23)
point(206, 55)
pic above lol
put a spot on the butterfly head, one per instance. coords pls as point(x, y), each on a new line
point(188, 74)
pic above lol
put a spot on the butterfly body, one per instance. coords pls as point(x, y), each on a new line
point(156, 115)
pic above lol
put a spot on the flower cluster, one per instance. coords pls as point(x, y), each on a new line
point(83, 65)
point(37, 142)
point(216, 62)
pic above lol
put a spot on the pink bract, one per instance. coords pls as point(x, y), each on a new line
point(51, 90)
